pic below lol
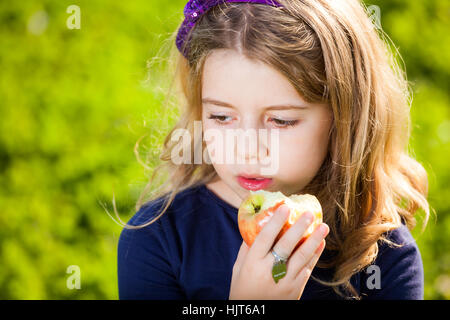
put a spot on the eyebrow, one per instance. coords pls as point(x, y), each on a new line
point(274, 107)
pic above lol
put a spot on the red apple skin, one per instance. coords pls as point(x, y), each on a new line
point(251, 224)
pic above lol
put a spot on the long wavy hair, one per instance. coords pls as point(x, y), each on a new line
point(331, 52)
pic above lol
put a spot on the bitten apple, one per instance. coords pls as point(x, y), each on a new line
point(257, 209)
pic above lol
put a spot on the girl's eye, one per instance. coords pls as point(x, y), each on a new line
point(278, 122)
point(219, 118)
point(283, 123)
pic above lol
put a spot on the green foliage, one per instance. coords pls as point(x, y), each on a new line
point(419, 29)
point(73, 104)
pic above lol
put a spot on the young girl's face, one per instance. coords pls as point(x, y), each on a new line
point(237, 93)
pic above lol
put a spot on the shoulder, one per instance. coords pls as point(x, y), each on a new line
point(401, 236)
point(148, 257)
point(403, 247)
point(397, 272)
point(157, 226)
point(158, 233)
point(183, 202)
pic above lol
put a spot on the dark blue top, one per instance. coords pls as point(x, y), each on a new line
point(189, 253)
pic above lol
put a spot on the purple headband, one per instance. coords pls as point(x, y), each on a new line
point(194, 9)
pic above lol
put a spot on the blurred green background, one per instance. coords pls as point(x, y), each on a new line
point(73, 103)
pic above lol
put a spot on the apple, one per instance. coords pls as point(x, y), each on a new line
point(257, 209)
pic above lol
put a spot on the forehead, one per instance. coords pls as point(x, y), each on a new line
point(231, 77)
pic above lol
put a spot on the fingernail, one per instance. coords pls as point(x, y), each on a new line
point(284, 210)
point(309, 217)
point(324, 229)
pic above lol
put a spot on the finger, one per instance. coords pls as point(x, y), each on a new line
point(264, 240)
point(293, 235)
point(240, 257)
point(299, 279)
point(304, 274)
point(299, 259)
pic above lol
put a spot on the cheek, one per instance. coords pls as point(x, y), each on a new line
point(215, 147)
point(213, 140)
point(302, 154)
point(222, 170)
point(296, 157)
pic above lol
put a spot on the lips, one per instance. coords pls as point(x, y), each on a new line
point(253, 183)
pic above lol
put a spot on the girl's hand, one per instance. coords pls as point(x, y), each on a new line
point(252, 271)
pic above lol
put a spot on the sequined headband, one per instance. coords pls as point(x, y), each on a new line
point(194, 9)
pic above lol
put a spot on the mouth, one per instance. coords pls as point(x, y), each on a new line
point(254, 182)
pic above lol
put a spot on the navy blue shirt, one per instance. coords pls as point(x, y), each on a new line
point(189, 253)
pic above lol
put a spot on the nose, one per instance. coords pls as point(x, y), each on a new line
point(251, 143)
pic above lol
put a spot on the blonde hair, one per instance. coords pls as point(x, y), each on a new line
point(330, 52)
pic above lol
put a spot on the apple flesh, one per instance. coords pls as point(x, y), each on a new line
point(257, 209)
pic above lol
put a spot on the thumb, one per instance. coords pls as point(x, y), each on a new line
point(240, 257)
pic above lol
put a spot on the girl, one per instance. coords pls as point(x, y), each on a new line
point(317, 73)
